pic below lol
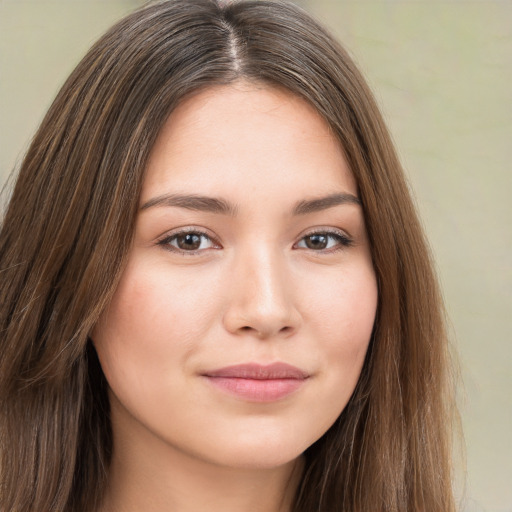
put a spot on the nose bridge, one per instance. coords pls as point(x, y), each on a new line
point(262, 299)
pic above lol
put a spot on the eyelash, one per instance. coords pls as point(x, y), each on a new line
point(343, 241)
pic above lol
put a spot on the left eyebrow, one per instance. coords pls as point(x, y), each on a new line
point(323, 203)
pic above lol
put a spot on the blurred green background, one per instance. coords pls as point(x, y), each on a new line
point(442, 72)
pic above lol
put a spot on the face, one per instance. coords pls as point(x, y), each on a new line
point(239, 327)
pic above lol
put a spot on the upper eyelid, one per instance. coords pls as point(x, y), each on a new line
point(325, 230)
point(187, 229)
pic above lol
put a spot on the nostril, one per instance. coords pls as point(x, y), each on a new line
point(263, 333)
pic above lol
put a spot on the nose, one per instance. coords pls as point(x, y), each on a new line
point(261, 300)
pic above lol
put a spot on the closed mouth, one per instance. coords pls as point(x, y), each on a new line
point(258, 383)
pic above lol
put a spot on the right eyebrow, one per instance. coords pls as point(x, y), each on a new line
point(192, 202)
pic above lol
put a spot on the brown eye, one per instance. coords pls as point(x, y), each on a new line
point(325, 241)
point(189, 241)
point(316, 241)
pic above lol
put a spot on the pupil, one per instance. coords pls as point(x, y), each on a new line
point(189, 241)
point(316, 242)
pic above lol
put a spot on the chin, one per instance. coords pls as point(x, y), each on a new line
point(262, 450)
point(254, 458)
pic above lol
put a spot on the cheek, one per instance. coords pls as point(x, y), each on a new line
point(153, 304)
point(343, 305)
point(342, 316)
point(145, 332)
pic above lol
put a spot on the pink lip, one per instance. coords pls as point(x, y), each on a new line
point(258, 383)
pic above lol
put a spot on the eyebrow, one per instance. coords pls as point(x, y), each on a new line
point(223, 207)
point(193, 202)
point(323, 203)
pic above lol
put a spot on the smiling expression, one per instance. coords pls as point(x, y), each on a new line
point(241, 321)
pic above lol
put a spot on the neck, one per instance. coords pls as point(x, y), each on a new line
point(149, 474)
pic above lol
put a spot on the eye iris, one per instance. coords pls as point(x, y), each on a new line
point(316, 241)
point(189, 241)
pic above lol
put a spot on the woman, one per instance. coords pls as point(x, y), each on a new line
point(215, 290)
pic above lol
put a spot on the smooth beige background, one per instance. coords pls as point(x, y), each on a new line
point(442, 72)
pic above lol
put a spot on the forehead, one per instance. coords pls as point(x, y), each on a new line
point(246, 136)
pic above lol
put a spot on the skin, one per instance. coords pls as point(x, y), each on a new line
point(257, 287)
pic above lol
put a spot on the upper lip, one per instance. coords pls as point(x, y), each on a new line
point(259, 372)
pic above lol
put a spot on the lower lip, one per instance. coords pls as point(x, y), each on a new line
point(257, 390)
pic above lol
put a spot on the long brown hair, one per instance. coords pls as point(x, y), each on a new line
point(68, 228)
